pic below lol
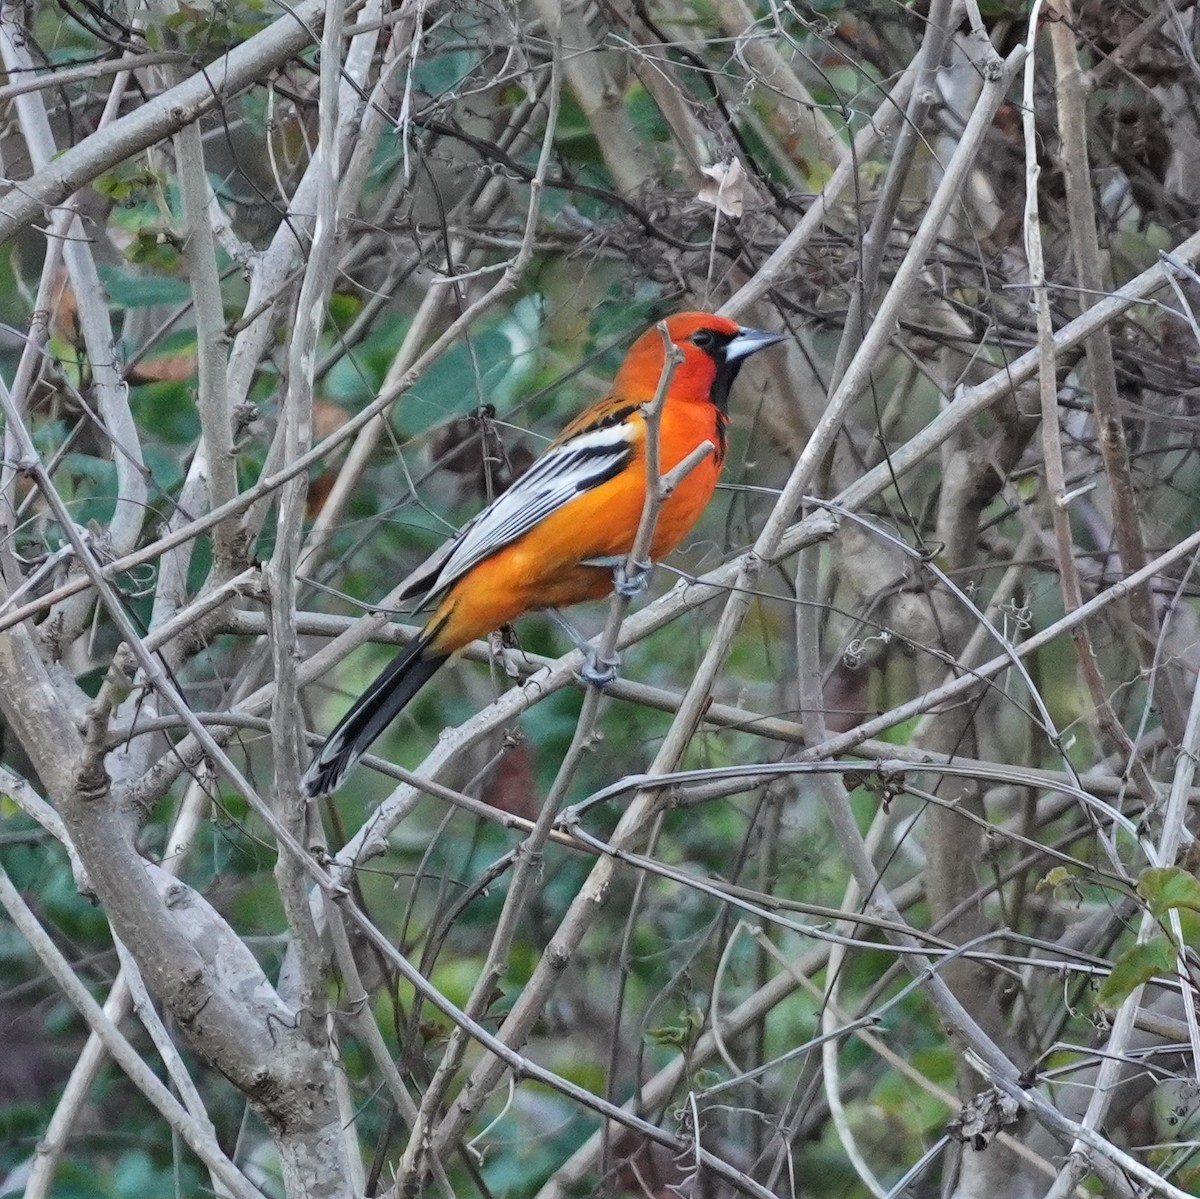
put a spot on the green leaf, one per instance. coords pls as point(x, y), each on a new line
point(1189, 926)
point(132, 290)
point(1054, 879)
point(124, 184)
point(1166, 887)
point(668, 1035)
point(681, 1035)
point(153, 248)
point(1137, 965)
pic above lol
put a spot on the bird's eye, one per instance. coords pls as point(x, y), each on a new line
point(704, 339)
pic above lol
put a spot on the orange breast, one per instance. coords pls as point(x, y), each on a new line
point(542, 568)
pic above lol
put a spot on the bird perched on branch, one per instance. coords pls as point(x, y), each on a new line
point(561, 534)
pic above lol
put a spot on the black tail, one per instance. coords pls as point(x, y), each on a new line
point(374, 710)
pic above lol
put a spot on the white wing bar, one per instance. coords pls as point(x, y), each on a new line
point(562, 473)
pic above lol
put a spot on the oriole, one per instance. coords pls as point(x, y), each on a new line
point(556, 535)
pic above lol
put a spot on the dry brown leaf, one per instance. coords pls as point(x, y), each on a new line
point(727, 188)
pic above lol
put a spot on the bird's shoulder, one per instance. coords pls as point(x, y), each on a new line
point(611, 412)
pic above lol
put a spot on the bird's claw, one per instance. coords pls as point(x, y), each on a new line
point(597, 671)
point(628, 582)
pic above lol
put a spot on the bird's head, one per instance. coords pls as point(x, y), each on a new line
point(713, 349)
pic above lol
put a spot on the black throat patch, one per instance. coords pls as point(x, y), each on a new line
point(727, 371)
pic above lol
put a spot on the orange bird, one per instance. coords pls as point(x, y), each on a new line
point(561, 533)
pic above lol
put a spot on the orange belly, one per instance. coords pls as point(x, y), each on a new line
point(542, 568)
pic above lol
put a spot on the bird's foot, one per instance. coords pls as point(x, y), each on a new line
point(629, 581)
point(597, 671)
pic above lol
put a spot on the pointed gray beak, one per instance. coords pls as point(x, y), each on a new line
point(750, 341)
